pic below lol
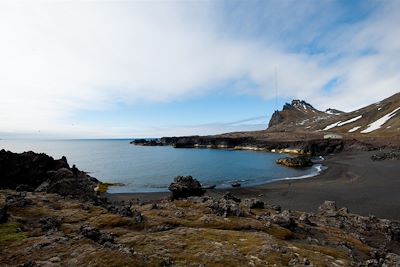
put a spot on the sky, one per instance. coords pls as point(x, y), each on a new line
point(124, 69)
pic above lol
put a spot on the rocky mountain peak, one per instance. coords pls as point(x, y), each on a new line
point(333, 111)
point(301, 104)
point(378, 118)
point(298, 105)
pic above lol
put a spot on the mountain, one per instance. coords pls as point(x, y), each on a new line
point(381, 118)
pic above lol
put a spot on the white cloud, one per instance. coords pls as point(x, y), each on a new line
point(64, 57)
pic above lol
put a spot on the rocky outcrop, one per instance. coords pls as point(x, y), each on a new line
point(185, 186)
point(386, 156)
point(296, 162)
point(333, 111)
point(30, 171)
point(254, 203)
point(276, 119)
point(96, 235)
point(226, 206)
point(28, 168)
point(51, 230)
point(309, 147)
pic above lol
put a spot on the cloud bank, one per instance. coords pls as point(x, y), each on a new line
point(61, 58)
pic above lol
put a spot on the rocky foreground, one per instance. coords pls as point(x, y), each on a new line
point(52, 228)
point(49, 230)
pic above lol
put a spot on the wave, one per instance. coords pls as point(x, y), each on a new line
point(318, 169)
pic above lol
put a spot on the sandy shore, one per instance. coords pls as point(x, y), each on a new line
point(352, 180)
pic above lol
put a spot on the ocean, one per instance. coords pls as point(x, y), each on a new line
point(152, 169)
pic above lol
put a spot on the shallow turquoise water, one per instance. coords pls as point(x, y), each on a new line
point(149, 169)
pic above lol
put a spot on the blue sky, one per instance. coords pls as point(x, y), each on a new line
point(85, 69)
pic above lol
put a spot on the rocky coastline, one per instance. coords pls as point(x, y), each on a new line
point(310, 147)
point(297, 144)
point(46, 227)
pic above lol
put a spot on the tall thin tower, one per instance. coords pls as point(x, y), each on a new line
point(276, 89)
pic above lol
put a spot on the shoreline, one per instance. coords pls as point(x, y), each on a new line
point(351, 179)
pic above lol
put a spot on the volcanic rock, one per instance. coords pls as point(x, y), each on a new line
point(284, 219)
point(49, 224)
point(30, 171)
point(95, 235)
point(297, 162)
point(185, 186)
point(225, 207)
point(386, 156)
point(254, 203)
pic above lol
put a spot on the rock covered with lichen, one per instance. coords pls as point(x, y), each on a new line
point(45, 228)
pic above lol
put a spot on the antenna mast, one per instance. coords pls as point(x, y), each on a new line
point(276, 89)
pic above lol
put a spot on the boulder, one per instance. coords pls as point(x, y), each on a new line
point(229, 196)
point(65, 183)
point(95, 235)
point(284, 219)
point(296, 162)
point(254, 203)
point(185, 186)
point(121, 208)
point(49, 224)
point(328, 208)
point(225, 207)
point(386, 156)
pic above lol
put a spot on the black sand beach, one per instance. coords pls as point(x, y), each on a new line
point(352, 180)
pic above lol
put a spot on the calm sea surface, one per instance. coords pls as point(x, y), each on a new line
point(150, 169)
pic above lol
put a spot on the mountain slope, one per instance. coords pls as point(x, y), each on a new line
point(382, 118)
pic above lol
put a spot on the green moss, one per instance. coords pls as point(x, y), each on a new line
point(103, 187)
point(10, 232)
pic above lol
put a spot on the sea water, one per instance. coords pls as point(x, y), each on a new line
point(152, 169)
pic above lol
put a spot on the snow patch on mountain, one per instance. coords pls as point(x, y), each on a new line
point(354, 129)
point(330, 126)
point(378, 123)
point(350, 121)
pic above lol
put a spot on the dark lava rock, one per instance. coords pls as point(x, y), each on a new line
point(19, 200)
point(28, 168)
point(31, 171)
point(386, 156)
point(229, 196)
point(185, 186)
point(137, 216)
point(49, 224)
point(121, 208)
point(284, 219)
point(23, 188)
point(95, 235)
point(254, 203)
point(225, 207)
point(328, 208)
point(65, 183)
point(29, 264)
point(297, 162)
